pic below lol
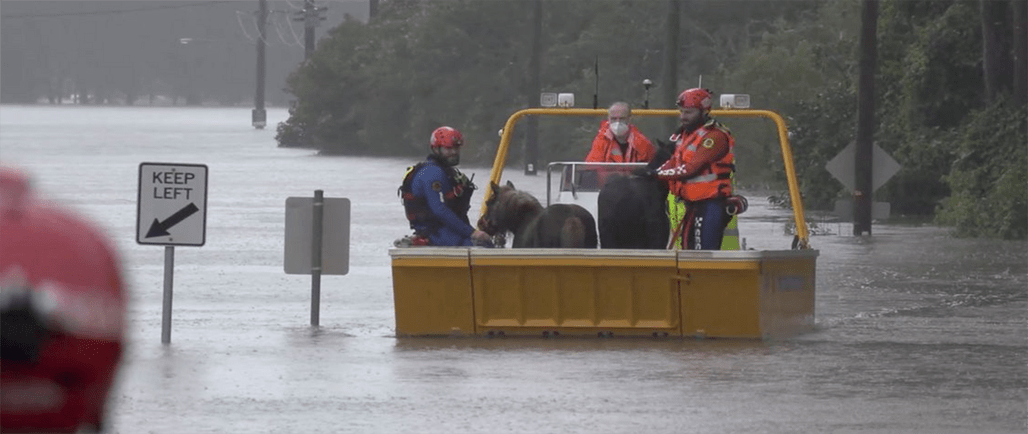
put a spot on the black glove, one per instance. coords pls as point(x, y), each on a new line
point(664, 152)
point(644, 172)
point(668, 147)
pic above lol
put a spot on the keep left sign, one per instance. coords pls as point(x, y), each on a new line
point(172, 206)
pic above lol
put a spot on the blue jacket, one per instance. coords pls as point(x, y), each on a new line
point(438, 203)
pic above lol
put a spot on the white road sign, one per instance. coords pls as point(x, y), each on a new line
point(843, 167)
point(335, 235)
point(172, 206)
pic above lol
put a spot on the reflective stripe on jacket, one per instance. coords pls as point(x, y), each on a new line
point(714, 180)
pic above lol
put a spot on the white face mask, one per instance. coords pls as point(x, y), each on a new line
point(620, 129)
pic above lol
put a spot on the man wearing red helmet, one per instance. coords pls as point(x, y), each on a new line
point(62, 313)
point(436, 196)
point(700, 172)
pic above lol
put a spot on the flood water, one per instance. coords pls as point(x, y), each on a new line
point(917, 332)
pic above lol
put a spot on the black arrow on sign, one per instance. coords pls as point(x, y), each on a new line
point(159, 229)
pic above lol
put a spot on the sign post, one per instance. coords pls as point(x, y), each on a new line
point(171, 211)
point(313, 247)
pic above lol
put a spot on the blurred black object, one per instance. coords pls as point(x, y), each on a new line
point(23, 328)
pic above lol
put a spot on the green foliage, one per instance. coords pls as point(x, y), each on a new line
point(821, 127)
point(930, 54)
point(944, 59)
point(990, 175)
point(380, 88)
point(813, 85)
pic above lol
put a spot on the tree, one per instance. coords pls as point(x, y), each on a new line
point(997, 63)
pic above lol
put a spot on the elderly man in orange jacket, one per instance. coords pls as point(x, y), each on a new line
point(618, 141)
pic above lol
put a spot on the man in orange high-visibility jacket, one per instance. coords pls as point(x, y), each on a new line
point(618, 141)
point(700, 172)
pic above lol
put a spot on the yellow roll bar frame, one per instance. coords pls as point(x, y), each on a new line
point(783, 138)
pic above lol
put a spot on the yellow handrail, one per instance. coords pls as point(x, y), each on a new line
point(783, 138)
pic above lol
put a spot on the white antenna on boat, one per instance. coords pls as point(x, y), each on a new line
point(700, 85)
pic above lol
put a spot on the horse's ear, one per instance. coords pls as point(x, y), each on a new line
point(495, 188)
point(510, 184)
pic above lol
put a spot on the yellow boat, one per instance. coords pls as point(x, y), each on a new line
point(753, 294)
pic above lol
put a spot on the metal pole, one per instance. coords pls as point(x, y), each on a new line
point(646, 100)
point(863, 163)
point(169, 272)
point(260, 116)
point(534, 86)
point(548, 177)
point(310, 20)
point(319, 217)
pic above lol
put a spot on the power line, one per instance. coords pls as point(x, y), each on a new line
point(299, 8)
point(242, 26)
point(302, 7)
point(278, 29)
point(115, 12)
point(296, 38)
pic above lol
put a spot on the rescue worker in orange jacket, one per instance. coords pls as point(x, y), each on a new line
point(618, 141)
point(700, 171)
point(62, 314)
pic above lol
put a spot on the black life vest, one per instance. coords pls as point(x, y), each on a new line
point(458, 199)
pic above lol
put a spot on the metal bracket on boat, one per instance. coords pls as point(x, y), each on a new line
point(686, 279)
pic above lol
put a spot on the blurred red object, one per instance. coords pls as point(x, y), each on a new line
point(62, 309)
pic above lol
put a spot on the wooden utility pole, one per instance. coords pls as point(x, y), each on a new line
point(311, 17)
point(310, 21)
point(1020, 50)
point(534, 88)
point(862, 196)
point(259, 117)
point(997, 67)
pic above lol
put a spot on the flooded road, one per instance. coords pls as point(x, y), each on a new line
point(917, 332)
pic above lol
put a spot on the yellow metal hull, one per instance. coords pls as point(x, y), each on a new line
point(549, 292)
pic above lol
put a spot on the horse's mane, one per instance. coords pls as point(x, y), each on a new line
point(511, 206)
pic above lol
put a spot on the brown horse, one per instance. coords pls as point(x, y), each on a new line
point(556, 226)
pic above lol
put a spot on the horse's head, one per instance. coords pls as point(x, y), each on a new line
point(488, 222)
point(505, 208)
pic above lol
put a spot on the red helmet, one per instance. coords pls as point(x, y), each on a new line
point(695, 97)
point(447, 137)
